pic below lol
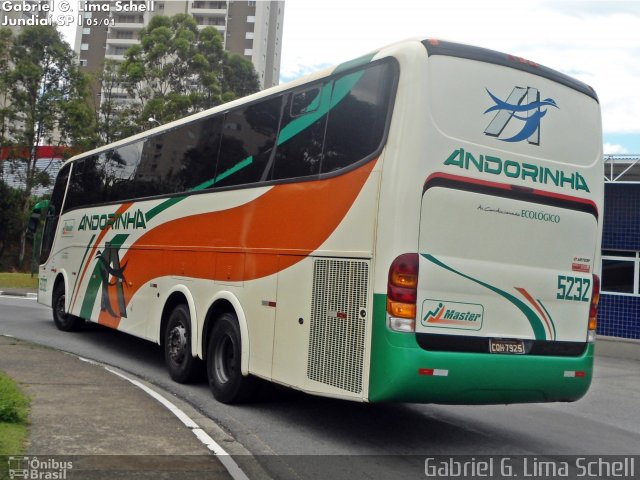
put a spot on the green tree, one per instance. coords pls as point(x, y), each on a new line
point(5, 112)
point(48, 103)
point(239, 78)
point(114, 119)
point(178, 69)
point(11, 221)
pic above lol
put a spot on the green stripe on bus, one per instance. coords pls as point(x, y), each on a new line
point(96, 280)
point(356, 62)
point(236, 168)
point(303, 122)
point(343, 86)
point(331, 95)
point(204, 185)
point(553, 325)
point(534, 320)
point(84, 257)
point(161, 207)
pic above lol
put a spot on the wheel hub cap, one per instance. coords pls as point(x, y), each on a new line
point(178, 343)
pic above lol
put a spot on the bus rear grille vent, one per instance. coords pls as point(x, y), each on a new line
point(338, 319)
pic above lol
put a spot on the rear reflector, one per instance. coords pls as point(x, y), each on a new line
point(574, 374)
point(593, 307)
point(433, 372)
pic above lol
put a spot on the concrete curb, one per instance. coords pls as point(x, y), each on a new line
point(618, 347)
point(84, 408)
point(18, 293)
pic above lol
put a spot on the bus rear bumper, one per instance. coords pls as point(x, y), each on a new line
point(420, 376)
point(402, 371)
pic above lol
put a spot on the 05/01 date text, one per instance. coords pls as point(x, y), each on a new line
point(96, 22)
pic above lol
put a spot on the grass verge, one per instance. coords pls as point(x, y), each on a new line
point(18, 280)
point(14, 409)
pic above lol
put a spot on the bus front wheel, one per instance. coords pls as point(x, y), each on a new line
point(226, 381)
point(63, 320)
point(182, 365)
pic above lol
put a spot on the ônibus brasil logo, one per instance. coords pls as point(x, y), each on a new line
point(523, 104)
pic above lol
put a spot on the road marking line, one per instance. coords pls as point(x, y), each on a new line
point(2, 295)
point(229, 463)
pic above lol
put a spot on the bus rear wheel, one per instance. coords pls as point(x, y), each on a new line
point(182, 365)
point(63, 320)
point(226, 381)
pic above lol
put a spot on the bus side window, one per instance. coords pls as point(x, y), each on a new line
point(180, 159)
point(248, 139)
point(304, 122)
point(117, 169)
point(86, 186)
point(307, 101)
point(358, 116)
point(53, 213)
point(200, 157)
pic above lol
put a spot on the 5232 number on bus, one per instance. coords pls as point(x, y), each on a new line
point(573, 288)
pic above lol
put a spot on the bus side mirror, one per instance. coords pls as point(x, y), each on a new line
point(36, 213)
point(34, 220)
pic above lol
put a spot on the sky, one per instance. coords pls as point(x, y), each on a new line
point(596, 41)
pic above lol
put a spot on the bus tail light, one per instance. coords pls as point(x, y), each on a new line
point(593, 308)
point(402, 292)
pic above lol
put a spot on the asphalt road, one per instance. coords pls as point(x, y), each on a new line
point(300, 436)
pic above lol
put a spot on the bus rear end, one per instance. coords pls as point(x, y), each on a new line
point(497, 302)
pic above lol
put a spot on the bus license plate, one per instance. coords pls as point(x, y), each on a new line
point(506, 346)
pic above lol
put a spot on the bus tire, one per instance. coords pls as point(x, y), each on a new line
point(182, 365)
point(226, 381)
point(64, 321)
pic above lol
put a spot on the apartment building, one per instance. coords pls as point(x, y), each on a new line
point(249, 28)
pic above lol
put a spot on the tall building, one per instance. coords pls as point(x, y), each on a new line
point(249, 28)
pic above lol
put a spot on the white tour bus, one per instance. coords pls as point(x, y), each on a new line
point(419, 224)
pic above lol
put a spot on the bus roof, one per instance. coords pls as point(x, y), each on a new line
point(434, 47)
point(439, 47)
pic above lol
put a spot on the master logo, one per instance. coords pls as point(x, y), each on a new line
point(448, 314)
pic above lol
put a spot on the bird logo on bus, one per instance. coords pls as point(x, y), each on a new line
point(522, 105)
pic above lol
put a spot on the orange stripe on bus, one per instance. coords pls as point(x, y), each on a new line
point(123, 208)
point(528, 296)
point(226, 245)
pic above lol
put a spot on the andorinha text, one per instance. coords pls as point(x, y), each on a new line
point(514, 169)
point(117, 221)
